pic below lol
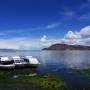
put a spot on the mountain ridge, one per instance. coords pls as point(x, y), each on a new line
point(59, 46)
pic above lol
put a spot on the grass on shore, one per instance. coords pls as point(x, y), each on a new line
point(41, 82)
point(45, 82)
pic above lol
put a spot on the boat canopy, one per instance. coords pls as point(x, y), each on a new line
point(5, 59)
point(29, 56)
point(16, 57)
point(32, 60)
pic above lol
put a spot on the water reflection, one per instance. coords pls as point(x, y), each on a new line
point(57, 59)
point(57, 63)
point(66, 59)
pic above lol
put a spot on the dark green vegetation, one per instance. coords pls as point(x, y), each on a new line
point(20, 79)
point(45, 82)
point(25, 82)
point(87, 71)
point(83, 71)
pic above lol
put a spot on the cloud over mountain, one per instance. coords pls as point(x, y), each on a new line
point(72, 35)
point(85, 31)
point(80, 38)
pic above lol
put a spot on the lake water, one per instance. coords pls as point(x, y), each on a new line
point(58, 63)
point(57, 59)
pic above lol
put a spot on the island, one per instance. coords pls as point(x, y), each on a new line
point(67, 47)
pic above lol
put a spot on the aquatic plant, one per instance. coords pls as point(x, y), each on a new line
point(87, 71)
point(31, 82)
point(45, 82)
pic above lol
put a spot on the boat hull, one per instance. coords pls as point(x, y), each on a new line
point(12, 66)
point(20, 65)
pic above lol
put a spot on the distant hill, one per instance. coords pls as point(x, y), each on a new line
point(6, 50)
point(67, 47)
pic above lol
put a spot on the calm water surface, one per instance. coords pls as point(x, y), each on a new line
point(57, 59)
point(58, 63)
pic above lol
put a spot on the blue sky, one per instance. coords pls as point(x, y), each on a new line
point(34, 24)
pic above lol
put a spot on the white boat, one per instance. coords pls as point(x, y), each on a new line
point(18, 61)
point(32, 60)
point(6, 62)
point(15, 61)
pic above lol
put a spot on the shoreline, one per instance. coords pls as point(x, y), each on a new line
point(25, 81)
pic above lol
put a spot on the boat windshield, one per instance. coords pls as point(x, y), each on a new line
point(19, 61)
point(16, 61)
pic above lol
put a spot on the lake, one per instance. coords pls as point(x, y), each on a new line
point(59, 63)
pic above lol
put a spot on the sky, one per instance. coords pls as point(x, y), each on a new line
point(35, 24)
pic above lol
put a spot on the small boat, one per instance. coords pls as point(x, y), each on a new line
point(6, 62)
point(32, 61)
point(18, 61)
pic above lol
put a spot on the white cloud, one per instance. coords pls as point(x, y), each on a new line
point(87, 41)
point(27, 43)
point(73, 42)
point(79, 38)
point(15, 43)
point(73, 38)
point(44, 39)
point(72, 35)
point(85, 31)
point(19, 43)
